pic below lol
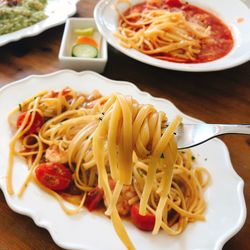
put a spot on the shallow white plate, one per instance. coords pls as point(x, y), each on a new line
point(226, 209)
point(230, 11)
point(56, 10)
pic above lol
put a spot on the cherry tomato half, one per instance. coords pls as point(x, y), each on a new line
point(36, 125)
point(94, 198)
point(54, 176)
point(143, 222)
point(174, 3)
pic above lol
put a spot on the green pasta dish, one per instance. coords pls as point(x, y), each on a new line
point(19, 14)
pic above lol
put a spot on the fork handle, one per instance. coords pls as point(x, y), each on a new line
point(233, 129)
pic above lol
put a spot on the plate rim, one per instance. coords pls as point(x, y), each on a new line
point(33, 33)
point(49, 227)
point(156, 62)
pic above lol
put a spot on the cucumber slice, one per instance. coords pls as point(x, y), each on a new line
point(84, 50)
point(85, 32)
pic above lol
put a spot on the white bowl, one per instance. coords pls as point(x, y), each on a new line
point(68, 40)
point(229, 11)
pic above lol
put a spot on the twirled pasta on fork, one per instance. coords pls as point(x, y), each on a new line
point(108, 151)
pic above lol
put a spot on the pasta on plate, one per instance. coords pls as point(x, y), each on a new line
point(172, 30)
point(110, 152)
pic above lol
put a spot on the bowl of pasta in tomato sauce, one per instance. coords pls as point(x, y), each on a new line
point(175, 34)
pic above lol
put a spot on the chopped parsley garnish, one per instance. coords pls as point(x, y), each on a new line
point(20, 107)
point(162, 155)
point(193, 158)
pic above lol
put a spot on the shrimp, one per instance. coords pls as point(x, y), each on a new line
point(54, 154)
point(123, 206)
point(128, 192)
point(95, 94)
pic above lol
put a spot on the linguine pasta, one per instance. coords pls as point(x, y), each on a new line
point(100, 139)
point(172, 30)
point(154, 31)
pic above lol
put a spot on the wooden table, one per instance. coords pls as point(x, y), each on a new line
point(217, 97)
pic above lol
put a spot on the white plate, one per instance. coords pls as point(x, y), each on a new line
point(228, 10)
point(226, 209)
point(56, 10)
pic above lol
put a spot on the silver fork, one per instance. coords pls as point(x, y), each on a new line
point(190, 135)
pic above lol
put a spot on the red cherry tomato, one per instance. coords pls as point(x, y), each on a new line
point(36, 125)
point(94, 198)
point(174, 3)
point(54, 176)
point(146, 222)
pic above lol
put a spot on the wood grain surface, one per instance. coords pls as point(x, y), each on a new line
point(217, 97)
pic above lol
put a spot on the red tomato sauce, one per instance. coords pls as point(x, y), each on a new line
point(216, 46)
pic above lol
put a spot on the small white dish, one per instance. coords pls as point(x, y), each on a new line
point(226, 209)
point(56, 10)
point(68, 40)
point(229, 11)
